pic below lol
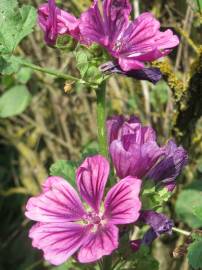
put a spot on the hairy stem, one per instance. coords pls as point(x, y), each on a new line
point(48, 71)
point(101, 119)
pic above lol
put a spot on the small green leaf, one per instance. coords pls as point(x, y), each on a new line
point(65, 169)
point(8, 65)
point(82, 62)
point(154, 197)
point(195, 254)
point(14, 101)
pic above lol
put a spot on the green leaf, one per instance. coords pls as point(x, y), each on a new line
point(8, 65)
point(82, 62)
point(65, 169)
point(188, 204)
point(195, 254)
point(14, 101)
point(154, 197)
point(15, 24)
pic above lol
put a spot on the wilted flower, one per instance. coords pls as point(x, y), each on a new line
point(159, 224)
point(152, 75)
point(134, 151)
point(55, 22)
point(131, 42)
point(66, 226)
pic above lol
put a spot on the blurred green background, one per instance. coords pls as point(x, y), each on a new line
point(59, 124)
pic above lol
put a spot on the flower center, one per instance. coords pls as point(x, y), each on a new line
point(93, 218)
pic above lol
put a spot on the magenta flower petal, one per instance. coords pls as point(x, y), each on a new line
point(115, 13)
point(91, 179)
point(99, 244)
point(58, 240)
point(122, 203)
point(133, 159)
point(92, 27)
point(113, 126)
point(59, 204)
point(54, 22)
point(130, 64)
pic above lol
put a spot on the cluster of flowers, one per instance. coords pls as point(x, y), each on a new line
point(130, 43)
point(90, 229)
point(66, 226)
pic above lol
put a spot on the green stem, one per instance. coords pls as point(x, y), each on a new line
point(49, 71)
point(180, 231)
point(101, 119)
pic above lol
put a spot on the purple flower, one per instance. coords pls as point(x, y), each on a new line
point(131, 42)
point(134, 152)
point(66, 226)
point(54, 22)
point(159, 224)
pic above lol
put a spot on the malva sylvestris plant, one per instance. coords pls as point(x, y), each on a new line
point(142, 175)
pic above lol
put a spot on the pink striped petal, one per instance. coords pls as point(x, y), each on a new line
point(99, 244)
point(92, 25)
point(115, 13)
point(58, 240)
point(60, 203)
point(130, 63)
point(122, 203)
point(91, 179)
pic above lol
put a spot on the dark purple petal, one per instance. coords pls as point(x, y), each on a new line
point(91, 178)
point(152, 75)
point(159, 223)
point(170, 166)
point(149, 237)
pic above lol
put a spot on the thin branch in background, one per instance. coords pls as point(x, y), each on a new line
point(136, 8)
point(186, 26)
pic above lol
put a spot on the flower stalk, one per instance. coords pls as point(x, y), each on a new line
point(180, 231)
point(101, 119)
point(48, 71)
